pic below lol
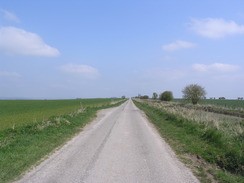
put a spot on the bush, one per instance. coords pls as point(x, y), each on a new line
point(144, 97)
point(166, 96)
point(194, 93)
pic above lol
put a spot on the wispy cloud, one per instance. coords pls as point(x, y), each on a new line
point(10, 16)
point(215, 28)
point(178, 45)
point(18, 41)
point(81, 70)
point(217, 67)
point(9, 74)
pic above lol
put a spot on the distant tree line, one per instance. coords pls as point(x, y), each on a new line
point(143, 97)
point(192, 92)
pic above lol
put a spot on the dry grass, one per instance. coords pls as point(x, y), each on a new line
point(215, 141)
point(228, 125)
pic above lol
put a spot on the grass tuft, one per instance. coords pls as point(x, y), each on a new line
point(221, 155)
point(23, 146)
point(213, 136)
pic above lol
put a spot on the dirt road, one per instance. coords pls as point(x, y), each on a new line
point(119, 146)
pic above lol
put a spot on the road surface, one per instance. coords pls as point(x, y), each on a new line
point(120, 146)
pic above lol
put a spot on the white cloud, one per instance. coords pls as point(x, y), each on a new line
point(177, 45)
point(9, 74)
point(82, 70)
point(215, 28)
point(10, 16)
point(18, 41)
point(217, 67)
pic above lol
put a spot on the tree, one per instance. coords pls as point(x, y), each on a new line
point(155, 96)
point(194, 92)
point(166, 96)
point(144, 97)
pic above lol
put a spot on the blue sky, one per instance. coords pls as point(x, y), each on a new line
point(68, 49)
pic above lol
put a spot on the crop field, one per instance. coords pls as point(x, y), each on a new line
point(223, 103)
point(31, 129)
point(17, 112)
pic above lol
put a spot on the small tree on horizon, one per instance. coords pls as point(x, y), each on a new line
point(166, 96)
point(144, 97)
point(155, 96)
point(194, 92)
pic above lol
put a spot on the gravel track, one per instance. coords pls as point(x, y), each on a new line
point(120, 146)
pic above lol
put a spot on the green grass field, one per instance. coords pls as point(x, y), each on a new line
point(222, 103)
point(18, 112)
point(29, 142)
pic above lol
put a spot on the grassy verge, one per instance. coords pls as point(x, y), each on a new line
point(213, 156)
point(23, 146)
